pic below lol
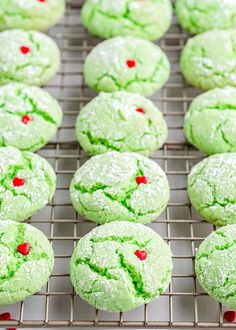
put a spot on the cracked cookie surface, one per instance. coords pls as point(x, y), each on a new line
point(27, 184)
point(30, 14)
point(145, 19)
point(197, 16)
point(215, 265)
point(208, 60)
point(210, 123)
point(120, 266)
point(29, 116)
point(105, 188)
point(121, 121)
point(29, 57)
point(212, 188)
point(126, 63)
point(22, 275)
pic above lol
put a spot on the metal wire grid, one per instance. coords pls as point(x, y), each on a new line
point(184, 304)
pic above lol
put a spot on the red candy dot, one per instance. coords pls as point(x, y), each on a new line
point(17, 182)
point(25, 50)
point(131, 63)
point(230, 316)
point(141, 110)
point(11, 328)
point(41, 0)
point(141, 179)
point(141, 254)
point(5, 316)
point(23, 248)
point(25, 119)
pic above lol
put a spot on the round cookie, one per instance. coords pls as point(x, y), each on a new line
point(144, 19)
point(199, 16)
point(212, 188)
point(126, 63)
point(120, 266)
point(29, 57)
point(26, 261)
point(120, 187)
point(121, 121)
point(30, 14)
point(210, 123)
point(27, 184)
point(29, 116)
point(216, 267)
point(208, 60)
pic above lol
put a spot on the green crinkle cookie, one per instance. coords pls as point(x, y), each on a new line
point(29, 116)
point(27, 184)
point(120, 187)
point(148, 19)
point(212, 188)
point(121, 121)
point(29, 57)
point(209, 59)
point(120, 266)
point(126, 63)
point(23, 273)
point(210, 123)
point(216, 266)
point(30, 14)
point(197, 16)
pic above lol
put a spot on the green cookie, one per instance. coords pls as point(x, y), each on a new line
point(145, 19)
point(197, 16)
point(120, 266)
point(120, 187)
point(121, 121)
point(209, 59)
point(30, 14)
point(126, 63)
point(29, 57)
point(210, 123)
point(212, 188)
point(27, 184)
point(26, 261)
point(216, 266)
point(29, 116)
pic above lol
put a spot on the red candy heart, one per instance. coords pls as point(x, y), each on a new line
point(18, 182)
point(41, 0)
point(25, 50)
point(140, 110)
point(23, 248)
point(230, 316)
point(141, 179)
point(131, 63)
point(5, 316)
point(25, 119)
point(141, 254)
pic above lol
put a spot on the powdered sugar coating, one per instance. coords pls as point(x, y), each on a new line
point(18, 100)
point(144, 19)
point(106, 66)
point(216, 267)
point(36, 67)
point(209, 59)
point(104, 189)
point(197, 16)
point(212, 188)
point(18, 203)
point(107, 274)
point(210, 123)
point(111, 122)
point(30, 14)
point(22, 276)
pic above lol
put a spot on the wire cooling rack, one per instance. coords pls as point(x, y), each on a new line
point(184, 304)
